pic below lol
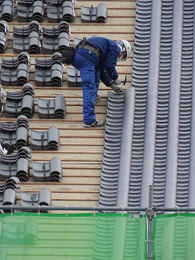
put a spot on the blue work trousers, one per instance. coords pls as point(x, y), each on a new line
point(87, 63)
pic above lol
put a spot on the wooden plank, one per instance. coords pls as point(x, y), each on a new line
point(122, 71)
point(79, 166)
point(74, 91)
point(81, 173)
point(74, 101)
point(68, 188)
point(65, 89)
point(71, 181)
point(80, 149)
point(35, 56)
point(127, 69)
point(113, 4)
point(130, 20)
point(79, 133)
point(75, 204)
point(78, 109)
point(122, 12)
point(74, 196)
point(88, 28)
point(81, 141)
point(69, 118)
point(85, 157)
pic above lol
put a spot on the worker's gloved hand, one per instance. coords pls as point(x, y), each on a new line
point(3, 96)
point(116, 86)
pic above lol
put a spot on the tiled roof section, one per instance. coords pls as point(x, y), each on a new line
point(14, 134)
point(94, 13)
point(10, 183)
point(23, 103)
point(186, 103)
point(60, 10)
point(45, 140)
point(56, 38)
point(162, 141)
point(15, 164)
point(15, 71)
point(20, 102)
point(3, 35)
point(51, 108)
point(49, 71)
point(47, 171)
point(140, 80)
point(27, 38)
point(111, 156)
point(28, 10)
point(73, 77)
point(6, 10)
point(40, 198)
point(8, 192)
point(117, 143)
point(80, 149)
point(12, 186)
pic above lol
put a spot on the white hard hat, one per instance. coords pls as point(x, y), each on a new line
point(126, 49)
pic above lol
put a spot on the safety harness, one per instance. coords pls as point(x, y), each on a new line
point(84, 44)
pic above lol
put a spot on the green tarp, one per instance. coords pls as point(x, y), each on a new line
point(106, 236)
point(174, 237)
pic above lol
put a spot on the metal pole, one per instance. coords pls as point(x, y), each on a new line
point(150, 215)
point(98, 209)
point(103, 209)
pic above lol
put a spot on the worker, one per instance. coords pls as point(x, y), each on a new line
point(96, 59)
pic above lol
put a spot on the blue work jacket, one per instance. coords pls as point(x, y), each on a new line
point(109, 52)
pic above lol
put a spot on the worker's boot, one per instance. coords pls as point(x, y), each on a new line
point(99, 123)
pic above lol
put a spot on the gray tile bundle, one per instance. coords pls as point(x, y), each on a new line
point(45, 140)
point(47, 171)
point(49, 71)
point(51, 108)
point(14, 135)
point(73, 77)
point(60, 10)
point(40, 198)
point(8, 192)
point(10, 183)
point(15, 71)
point(15, 164)
point(3, 35)
point(20, 102)
point(28, 10)
point(56, 38)
point(6, 10)
point(111, 155)
point(94, 13)
point(27, 38)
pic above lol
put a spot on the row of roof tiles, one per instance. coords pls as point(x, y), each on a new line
point(53, 11)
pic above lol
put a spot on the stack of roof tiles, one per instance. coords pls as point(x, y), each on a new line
point(15, 71)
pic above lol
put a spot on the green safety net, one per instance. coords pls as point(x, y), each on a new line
point(102, 236)
point(174, 237)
